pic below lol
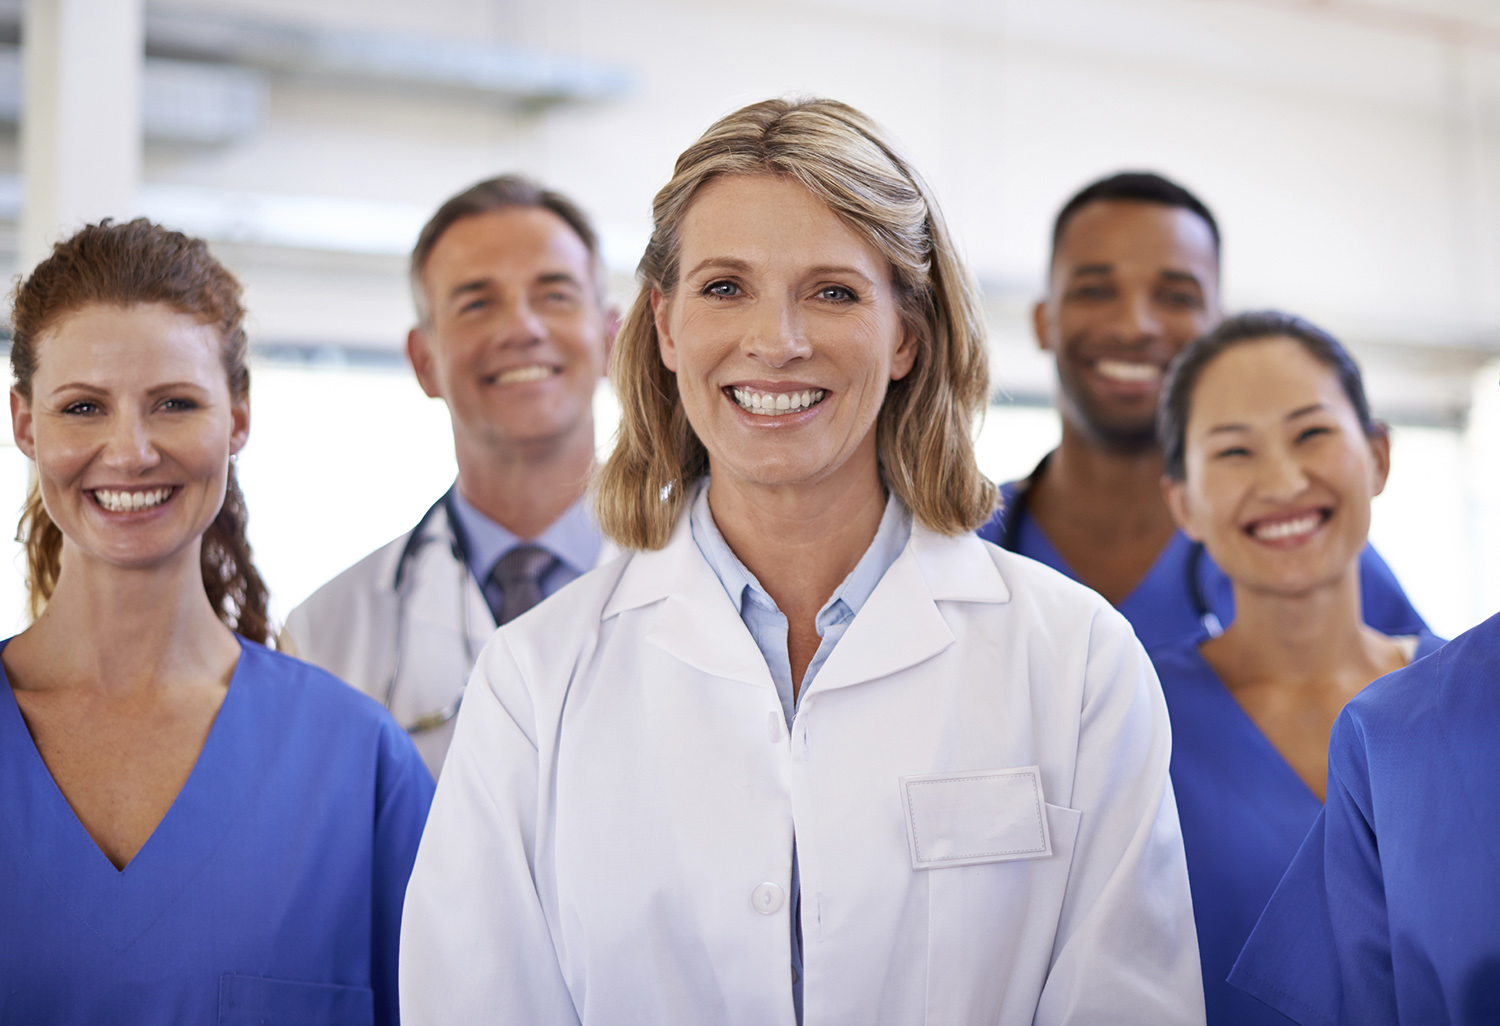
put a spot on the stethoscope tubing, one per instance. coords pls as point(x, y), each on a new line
point(400, 582)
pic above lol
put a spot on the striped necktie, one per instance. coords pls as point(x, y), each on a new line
point(518, 574)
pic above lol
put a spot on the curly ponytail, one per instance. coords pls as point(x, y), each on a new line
point(124, 265)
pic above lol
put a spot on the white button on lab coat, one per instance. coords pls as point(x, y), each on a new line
point(976, 779)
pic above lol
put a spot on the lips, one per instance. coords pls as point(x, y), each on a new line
point(773, 404)
point(131, 500)
point(1128, 372)
point(1289, 528)
point(523, 375)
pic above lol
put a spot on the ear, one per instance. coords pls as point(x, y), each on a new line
point(905, 357)
point(611, 332)
point(1039, 324)
point(239, 425)
point(1174, 493)
point(419, 352)
point(1380, 449)
point(665, 344)
point(21, 424)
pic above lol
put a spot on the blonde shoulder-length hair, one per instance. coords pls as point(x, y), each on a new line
point(923, 434)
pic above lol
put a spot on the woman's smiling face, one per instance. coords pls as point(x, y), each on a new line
point(784, 332)
point(1279, 471)
point(131, 426)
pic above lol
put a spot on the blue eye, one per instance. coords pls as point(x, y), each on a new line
point(81, 408)
point(838, 294)
point(722, 289)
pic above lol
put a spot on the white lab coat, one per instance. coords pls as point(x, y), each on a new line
point(350, 628)
point(611, 841)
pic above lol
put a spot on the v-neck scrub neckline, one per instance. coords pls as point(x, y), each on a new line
point(276, 874)
point(184, 837)
point(1244, 813)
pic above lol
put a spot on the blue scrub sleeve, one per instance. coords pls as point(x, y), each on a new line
point(1321, 953)
point(404, 791)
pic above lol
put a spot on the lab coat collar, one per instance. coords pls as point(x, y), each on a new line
point(699, 625)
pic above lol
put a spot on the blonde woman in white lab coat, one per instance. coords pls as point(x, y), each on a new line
point(812, 752)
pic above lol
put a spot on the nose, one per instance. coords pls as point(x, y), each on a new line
point(130, 448)
point(520, 325)
point(1138, 321)
point(1282, 477)
point(774, 335)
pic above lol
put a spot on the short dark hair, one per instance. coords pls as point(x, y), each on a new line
point(1133, 187)
point(1187, 369)
point(498, 194)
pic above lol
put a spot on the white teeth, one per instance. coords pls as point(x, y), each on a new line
point(130, 502)
point(517, 375)
point(1120, 370)
point(770, 405)
point(1288, 528)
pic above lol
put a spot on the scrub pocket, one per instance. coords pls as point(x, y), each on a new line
point(259, 1001)
point(996, 858)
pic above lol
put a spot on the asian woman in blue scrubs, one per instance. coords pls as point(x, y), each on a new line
point(1272, 460)
point(193, 828)
point(1390, 912)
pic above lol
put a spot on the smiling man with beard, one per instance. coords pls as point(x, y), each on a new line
point(1134, 278)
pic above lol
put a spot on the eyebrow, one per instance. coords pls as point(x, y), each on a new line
point(1303, 412)
point(729, 263)
point(88, 389)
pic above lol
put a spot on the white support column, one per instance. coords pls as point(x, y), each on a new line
point(81, 123)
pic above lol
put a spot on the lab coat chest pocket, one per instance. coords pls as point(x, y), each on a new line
point(961, 819)
point(261, 1001)
point(996, 859)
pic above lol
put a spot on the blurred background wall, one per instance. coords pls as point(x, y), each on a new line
point(1350, 149)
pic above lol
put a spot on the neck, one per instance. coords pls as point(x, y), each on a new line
point(800, 542)
point(1314, 637)
point(119, 631)
point(525, 487)
point(1081, 464)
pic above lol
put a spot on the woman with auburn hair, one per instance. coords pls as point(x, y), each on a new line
point(813, 751)
point(193, 828)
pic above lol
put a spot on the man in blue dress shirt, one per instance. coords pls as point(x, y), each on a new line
point(513, 334)
point(1134, 278)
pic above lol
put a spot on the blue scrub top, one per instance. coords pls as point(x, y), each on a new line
point(1390, 911)
point(1162, 608)
point(270, 892)
point(1244, 813)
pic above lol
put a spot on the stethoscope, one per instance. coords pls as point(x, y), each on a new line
point(1010, 538)
point(414, 543)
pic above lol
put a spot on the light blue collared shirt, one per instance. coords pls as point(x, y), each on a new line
point(768, 626)
point(573, 538)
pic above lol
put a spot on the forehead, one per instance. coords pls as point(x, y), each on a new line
point(766, 218)
point(106, 344)
point(513, 243)
point(1265, 379)
point(1147, 235)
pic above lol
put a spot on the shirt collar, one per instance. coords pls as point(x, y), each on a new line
point(847, 599)
point(573, 537)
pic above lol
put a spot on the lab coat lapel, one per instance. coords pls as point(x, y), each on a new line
point(901, 625)
point(696, 622)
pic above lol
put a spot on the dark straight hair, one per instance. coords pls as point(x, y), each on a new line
point(1187, 369)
